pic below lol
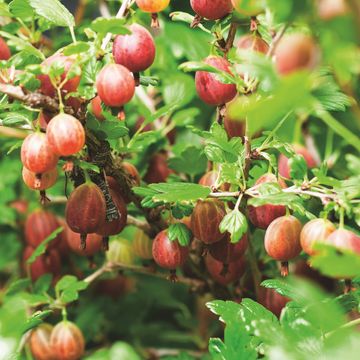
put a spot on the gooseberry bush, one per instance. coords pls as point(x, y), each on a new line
point(179, 179)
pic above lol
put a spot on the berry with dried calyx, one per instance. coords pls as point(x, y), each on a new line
point(153, 7)
point(282, 240)
point(46, 181)
point(212, 9)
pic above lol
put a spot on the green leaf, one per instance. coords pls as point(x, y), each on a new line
point(192, 161)
point(76, 48)
point(65, 282)
point(175, 192)
point(53, 11)
point(68, 287)
point(298, 167)
point(42, 247)
point(17, 286)
point(43, 283)
point(21, 9)
point(36, 319)
point(178, 86)
point(180, 232)
point(113, 26)
point(235, 223)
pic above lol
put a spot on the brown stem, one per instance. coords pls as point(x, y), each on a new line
point(80, 11)
point(231, 37)
point(347, 286)
point(155, 21)
point(137, 78)
point(143, 225)
point(196, 21)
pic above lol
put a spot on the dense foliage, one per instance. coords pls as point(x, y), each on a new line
point(179, 179)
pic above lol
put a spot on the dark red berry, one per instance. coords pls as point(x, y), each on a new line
point(5, 53)
point(212, 9)
point(158, 170)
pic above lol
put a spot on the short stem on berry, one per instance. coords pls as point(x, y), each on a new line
point(284, 268)
point(155, 21)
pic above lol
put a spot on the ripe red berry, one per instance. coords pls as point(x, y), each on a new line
point(39, 225)
point(345, 240)
point(39, 342)
point(158, 170)
point(67, 341)
point(233, 127)
point(226, 252)
point(85, 210)
point(5, 53)
point(115, 85)
point(330, 9)
point(205, 220)
point(247, 7)
point(282, 239)
point(47, 180)
point(36, 154)
point(314, 231)
point(211, 9)
point(93, 242)
point(168, 254)
point(49, 262)
point(209, 88)
point(254, 43)
point(97, 109)
point(135, 51)
point(70, 86)
point(234, 271)
point(142, 245)
point(152, 6)
point(262, 216)
point(296, 52)
point(283, 163)
point(272, 300)
point(116, 226)
point(65, 135)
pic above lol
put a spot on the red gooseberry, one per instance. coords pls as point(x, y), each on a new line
point(115, 85)
point(39, 342)
point(97, 109)
point(65, 135)
point(344, 239)
point(47, 180)
point(262, 216)
point(209, 88)
point(135, 51)
point(158, 170)
point(36, 154)
point(314, 231)
point(67, 341)
point(168, 254)
point(70, 85)
point(212, 9)
point(5, 53)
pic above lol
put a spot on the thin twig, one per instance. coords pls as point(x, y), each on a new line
point(276, 40)
point(231, 37)
point(141, 224)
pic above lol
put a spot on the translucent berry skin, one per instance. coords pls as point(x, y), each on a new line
point(93, 243)
point(39, 342)
point(168, 254)
point(272, 300)
point(142, 245)
point(135, 51)
point(70, 86)
point(247, 7)
point(205, 220)
point(211, 90)
point(5, 53)
point(296, 52)
point(36, 154)
point(314, 231)
point(212, 9)
point(226, 252)
point(120, 252)
point(345, 240)
point(85, 210)
point(235, 270)
point(39, 225)
point(115, 85)
point(46, 263)
point(262, 216)
point(152, 6)
point(96, 108)
point(254, 43)
point(114, 227)
point(282, 238)
point(233, 127)
point(48, 179)
point(158, 170)
point(65, 135)
point(283, 163)
point(67, 341)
